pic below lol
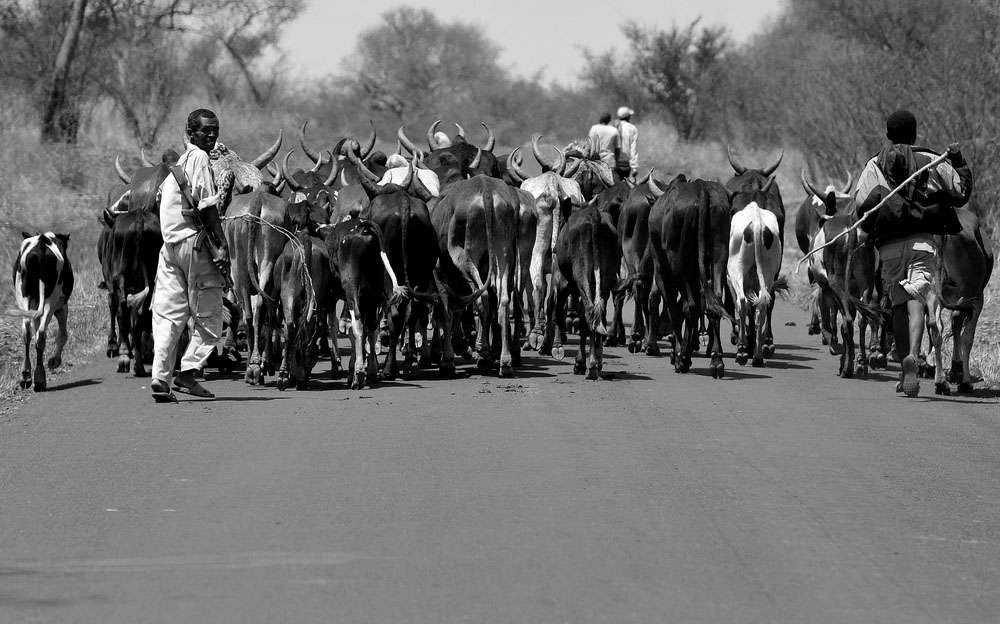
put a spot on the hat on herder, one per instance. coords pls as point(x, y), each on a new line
point(901, 127)
point(395, 161)
point(625, 111)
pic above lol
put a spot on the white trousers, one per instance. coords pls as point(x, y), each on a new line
point(188, 294)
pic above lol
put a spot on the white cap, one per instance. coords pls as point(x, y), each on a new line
point(395, 161)
point(625, 111)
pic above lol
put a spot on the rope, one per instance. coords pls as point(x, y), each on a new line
point(301, 252)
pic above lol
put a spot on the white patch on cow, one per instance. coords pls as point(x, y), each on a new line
point(299, 197)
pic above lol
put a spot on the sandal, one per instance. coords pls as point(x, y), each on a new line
point(161, 392)
point(186, 383)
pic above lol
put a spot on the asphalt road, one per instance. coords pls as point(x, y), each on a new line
point(781, 494)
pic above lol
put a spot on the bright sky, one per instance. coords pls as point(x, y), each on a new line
point(534, 34)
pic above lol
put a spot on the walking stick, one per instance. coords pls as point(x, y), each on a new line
point(874, 210)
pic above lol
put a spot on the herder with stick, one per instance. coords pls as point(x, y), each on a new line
point(905, 226)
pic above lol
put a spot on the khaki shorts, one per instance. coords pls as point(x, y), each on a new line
point(909, 267)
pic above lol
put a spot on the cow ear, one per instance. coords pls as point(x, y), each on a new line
point(26, 235)
point(64, 238)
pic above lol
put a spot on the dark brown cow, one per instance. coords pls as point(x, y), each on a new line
point(688, 241)
point(588, 256)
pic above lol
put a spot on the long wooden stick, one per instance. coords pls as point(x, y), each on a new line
point(874, 210)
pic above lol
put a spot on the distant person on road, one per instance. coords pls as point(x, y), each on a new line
point(606, 140)
point(627, 164)
point(905, 226)
point(189, 279)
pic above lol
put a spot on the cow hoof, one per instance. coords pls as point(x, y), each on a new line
point(124, 364)
point(253, 375)
point(467, 354)
point(558, 352)
point(336, 373)
point(757, 362)
point(268, 369)
point(579, 367)
point(424, 362)
point(612, 341)
point(631, 347)
point(942, 388)
point(358, 382)
point(847, 373)
point(448, 370)
point(282, 383)
point(594, 374)
point(681, 367)
point(39, 385)
point(955, 374)
point(112, 351)
point(25, 380)
point(836, 348)
point(769, 350)
point(881, 362)
point(718, 370)
point(826, 340)
point(964, 387)
point(814, 329)
point(506, 370)
point(407, 373)
point(926, 371)
point(860, 370)
point(535, 339)
point(652, 350)
point(484, 365)
point(140, 370)
point(741, 358)
point(873, 360)
point(54, 362)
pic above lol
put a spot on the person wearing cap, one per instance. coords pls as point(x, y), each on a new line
point(905, 227)
point(396, 169)
point(627, 165)
point(606, 140)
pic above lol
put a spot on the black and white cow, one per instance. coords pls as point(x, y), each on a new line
point(43, 283)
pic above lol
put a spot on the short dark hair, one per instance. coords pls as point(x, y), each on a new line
point(194, 119)
point(605, 118)
point(901, 127)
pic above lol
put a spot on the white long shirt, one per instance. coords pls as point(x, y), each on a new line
point(173, 223)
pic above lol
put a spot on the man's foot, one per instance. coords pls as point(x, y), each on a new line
point(186, 383)
point(911, 383)
point(161, 392)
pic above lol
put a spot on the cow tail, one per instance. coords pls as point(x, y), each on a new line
point(763, 299)
point(713, 305)
point(595, 316)
point(251, 256)
point(490, 210)
point(406, 247)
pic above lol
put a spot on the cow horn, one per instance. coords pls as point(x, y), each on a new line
point(266, 157)
point(850, 183)
point(735, 164)
point(420, 191)
point(317, 165)
point(491, 139)
point(475, 161)
point(292, 182)
point(646, 178)
point(770, 180)
point(418, 158)
point(460, 132)
point(313, 155)
point(512, 167)
point(408, 179)
point(399, 148)
point(370, 145)
point(809, 188)
point(275, 172)
point(404, 141)
point(774, 167)
point(654, 187)
point(363, 171)
point(431, 141)
point(146, 162)
point(561, 163)
point(537, 151)
point(126, 178)
point(334, 170)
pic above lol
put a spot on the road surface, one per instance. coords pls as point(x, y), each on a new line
point(779, 494)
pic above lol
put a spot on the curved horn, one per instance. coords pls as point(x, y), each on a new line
point(266, 157)
point(275, 172)
point(146, 162)
point(418, 158)
point(475, 161)
point(537, 151)
point(399, 147)
point(420, 191)
point(770, 181)
point(646, 178)
point(774, 167)
point(654, 187)
point(491, 139)
point(516, 172)
point(126, 178)
point(310, 152)
point(460, 132)
point(292, 182)
point(808, 186)
point(334, 170)
point(735, 164)
point(317, 165)
point(850, 183)
point(408, 180)
point(561, 163)
point(431, 142)
point(370, 145)
point(365, 172)
point(404, 141)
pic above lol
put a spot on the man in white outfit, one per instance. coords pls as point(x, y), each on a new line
point(398, 168)
point(628, 160)
point(189, 278)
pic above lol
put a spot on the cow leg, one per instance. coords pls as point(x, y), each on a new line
point(847, 352)
point(127, 338)
point(717, 367)
point(356, 336)
point(336, 365)
point(548, 316)
point(558, 323)
point(41, 333)
point(616, 337)
point(371, 324)
point(138, 321)
point(814, 305)
point(936, 339)
point(255, 339)
point(956, 374)
point(640, 297)
point(290, 329)
point(653, 314)
point(446, 319)
point(484, 331)
point(393, 320)
point(61, 317)
point(673, 306)
point(580, 363)
point(508, 345)
point(113, 340)
point(27, 332)
point(968, 333)
point(768, 336)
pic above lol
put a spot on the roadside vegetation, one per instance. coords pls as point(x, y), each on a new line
point(71, 103)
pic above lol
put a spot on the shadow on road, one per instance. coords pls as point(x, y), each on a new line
point(80, 383)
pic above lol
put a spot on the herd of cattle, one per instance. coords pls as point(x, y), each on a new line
point(510, 260)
